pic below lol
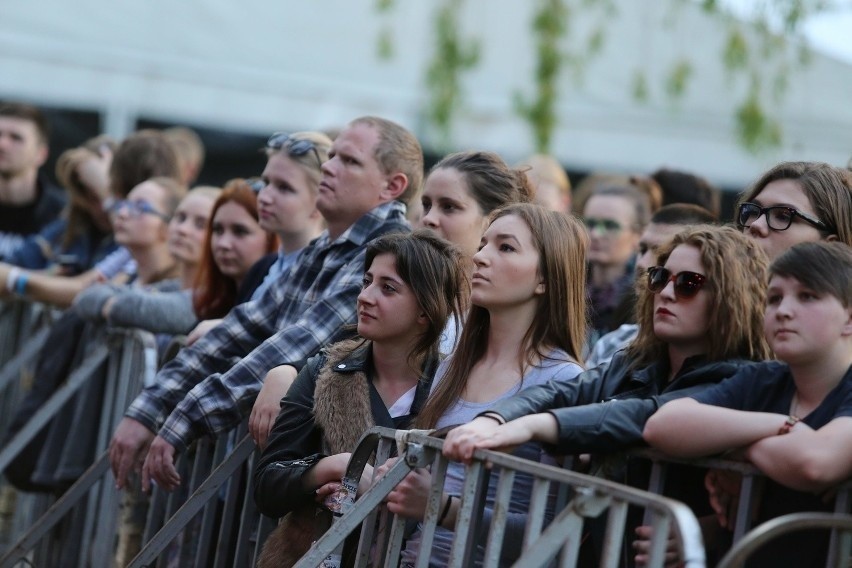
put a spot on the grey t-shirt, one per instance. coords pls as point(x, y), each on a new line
point(555, 367)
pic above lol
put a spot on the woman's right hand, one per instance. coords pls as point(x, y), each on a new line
point(268, 403)
point(462, 441)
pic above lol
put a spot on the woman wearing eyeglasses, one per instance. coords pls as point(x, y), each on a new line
point(797, 202)
point(166, 242)
point(700, 320)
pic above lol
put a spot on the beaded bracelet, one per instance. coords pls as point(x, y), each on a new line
point(788, 424)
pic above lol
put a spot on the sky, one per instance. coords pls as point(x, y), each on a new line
point(830, 33)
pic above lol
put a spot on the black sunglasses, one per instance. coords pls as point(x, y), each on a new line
point(295, 147)
point(778, 217)
point(686, 284)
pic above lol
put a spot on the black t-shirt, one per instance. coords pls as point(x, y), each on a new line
point(769, 387)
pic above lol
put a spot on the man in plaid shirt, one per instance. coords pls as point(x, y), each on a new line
point(374, 167)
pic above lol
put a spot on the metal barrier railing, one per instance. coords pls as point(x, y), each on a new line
point(542, 542)
point(748, 491)
point(23, 329)
point(840, 525)
point(129, 355)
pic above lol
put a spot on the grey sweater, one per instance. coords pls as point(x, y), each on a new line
point(160, 308)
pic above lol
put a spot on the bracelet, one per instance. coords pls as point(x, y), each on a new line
point(788, 424)
point(21, 283)
point(446, 509)
point(12, 277)
point(493, 416)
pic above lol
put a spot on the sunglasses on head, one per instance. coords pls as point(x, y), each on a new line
point(778, 217)
point(295, 147)
point(686, 284)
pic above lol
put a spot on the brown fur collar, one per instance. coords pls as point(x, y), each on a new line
point(342, 398)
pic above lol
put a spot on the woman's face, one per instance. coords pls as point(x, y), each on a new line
point(680, 321)
point(388, 311)
point(507, 266)
point(611, 220)
point(236, 239)
point(140, 221)
point(286, 204)
point(789, 193)
point(451, 211)
point(188, 227)
point(801, 325)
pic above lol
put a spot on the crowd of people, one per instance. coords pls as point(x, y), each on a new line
point(343, 288)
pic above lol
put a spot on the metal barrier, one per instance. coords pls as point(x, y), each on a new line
point(541, 544)
point(130, 355)
point(751, 480)
point(226, 493)
point(840, 525)
point(23, 329)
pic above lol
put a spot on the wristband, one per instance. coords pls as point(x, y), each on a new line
point(446, 509)
point(12, 278)
point(788, 424)
point(21, 283)
point(493, 416)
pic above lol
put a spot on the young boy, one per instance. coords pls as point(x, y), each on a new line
point(793, 421)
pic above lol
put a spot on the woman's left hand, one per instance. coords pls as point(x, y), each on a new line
point(410, 496)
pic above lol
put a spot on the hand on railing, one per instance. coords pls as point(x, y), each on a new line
point(409, 498)
point(128, 448)
point(723, 488)
point(268, 403)
point(159, 466)
point(642, 547)
point(486, 433)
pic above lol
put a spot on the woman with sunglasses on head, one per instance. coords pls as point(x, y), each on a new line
point(793, 418)
point(526, 326)
point(412, 284)
point(286, 206)
point(797, 202)
point(699, 321)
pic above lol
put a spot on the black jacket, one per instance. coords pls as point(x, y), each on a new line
point(298, 441)
point(605, 408)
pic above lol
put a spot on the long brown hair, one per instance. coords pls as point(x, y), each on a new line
point(214, 294)
point(736, 270)
point(438, 275)
point(560, 317)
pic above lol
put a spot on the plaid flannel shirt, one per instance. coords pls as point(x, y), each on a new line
point(211, 385)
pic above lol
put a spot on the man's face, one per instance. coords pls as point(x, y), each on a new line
point(654, 235)
point(353, 183)
point(21, 147)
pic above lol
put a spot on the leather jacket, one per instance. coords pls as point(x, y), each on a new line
point(605, 408)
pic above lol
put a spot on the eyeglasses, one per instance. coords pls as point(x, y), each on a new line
point(606, 226)
point(295, 147)
point(256, 184)
point(686, 284)
point(778, 217)
point(136, 208)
